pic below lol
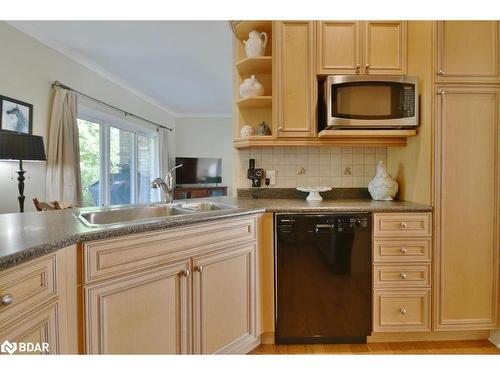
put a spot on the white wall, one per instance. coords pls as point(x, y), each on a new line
point(207, 137)
point(27, 69)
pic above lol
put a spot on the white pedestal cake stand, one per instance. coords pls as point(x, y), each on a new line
point(314, 192)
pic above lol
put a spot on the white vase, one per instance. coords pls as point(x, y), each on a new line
point(251, 87)
point(382, 187)
point(246, 131)
point(256, 44)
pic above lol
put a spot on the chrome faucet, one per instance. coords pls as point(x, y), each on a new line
point(166, 184)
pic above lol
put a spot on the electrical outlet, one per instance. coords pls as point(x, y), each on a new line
point(271, 174)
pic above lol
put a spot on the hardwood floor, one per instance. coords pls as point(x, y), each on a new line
point(427, 347)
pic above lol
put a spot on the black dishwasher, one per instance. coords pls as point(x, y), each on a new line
point(323, 278)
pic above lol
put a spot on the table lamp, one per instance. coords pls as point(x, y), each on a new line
point(20, 146)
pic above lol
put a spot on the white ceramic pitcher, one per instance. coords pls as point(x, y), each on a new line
point(256, 44)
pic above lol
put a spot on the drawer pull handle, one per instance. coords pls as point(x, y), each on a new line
point(185, 273)
point(402, 311)
point(7, 299)
point(402, 225)
point(403, 250)
point(402, 276)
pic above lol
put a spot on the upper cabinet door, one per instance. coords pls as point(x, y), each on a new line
point(467, 51)
point(385, 46)
point(339, 47)
point(295, 79)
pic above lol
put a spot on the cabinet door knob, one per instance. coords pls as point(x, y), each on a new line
point(441, 92)
point(402, 225)
point(7, 299)
point(358, 68)
point(198, 269)
point(403, 250)
point(440, 72)
point(402, 276)
point(402, 311)
point(367, 68)
point(185, 273)
point(280, 128)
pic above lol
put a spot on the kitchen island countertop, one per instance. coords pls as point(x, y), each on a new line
point(29, 235)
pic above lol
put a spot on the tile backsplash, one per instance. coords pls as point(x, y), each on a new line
point(307, 166)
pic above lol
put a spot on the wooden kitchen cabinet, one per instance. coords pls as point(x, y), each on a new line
point(295, 79)
point(224, 300)
point(362, 47)
point(339, 47)
point(37, 304)
point(385, 45)
point(176, 291)
point(146, 313)
point(467, 209)
point(41, 327)
point(467, 51)
point(402, 266)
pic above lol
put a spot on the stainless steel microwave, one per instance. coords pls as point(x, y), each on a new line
point(367, 101)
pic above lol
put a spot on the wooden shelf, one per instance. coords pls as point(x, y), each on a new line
point(367, 133)
point(387, 138)
point(254, 65)
point(242, 28)
point(255, 102)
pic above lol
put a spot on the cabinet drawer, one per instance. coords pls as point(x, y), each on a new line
point(402, 250)
point(398, 275)
point(402, 225)
point(29, 284)
point(122, 255)
point(401, 310)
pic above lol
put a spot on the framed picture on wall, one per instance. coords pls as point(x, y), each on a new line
point(16, 116)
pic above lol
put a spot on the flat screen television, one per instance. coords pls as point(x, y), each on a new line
point(198, 171)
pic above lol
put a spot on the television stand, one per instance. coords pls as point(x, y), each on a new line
point(199, 192)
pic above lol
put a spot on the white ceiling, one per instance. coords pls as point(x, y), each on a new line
point(185, 66)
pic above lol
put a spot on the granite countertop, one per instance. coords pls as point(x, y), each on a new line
point(33, 234)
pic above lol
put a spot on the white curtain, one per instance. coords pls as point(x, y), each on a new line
point(63, 180)
point(165, 161)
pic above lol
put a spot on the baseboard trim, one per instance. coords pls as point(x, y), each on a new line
point(267, 338)
point(241, 346)
point(495, 338)
point(428, 336)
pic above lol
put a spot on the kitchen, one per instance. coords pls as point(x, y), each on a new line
point(361, 208)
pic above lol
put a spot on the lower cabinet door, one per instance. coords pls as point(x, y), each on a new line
point(36, 333)
point(145, 313)
point(224, 301)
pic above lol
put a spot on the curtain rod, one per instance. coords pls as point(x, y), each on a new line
point(59, 84)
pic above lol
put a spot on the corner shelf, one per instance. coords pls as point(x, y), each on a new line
point(254, 65)
point(242, 28)
point(255, 102)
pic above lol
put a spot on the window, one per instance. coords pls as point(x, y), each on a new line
point(118, 160)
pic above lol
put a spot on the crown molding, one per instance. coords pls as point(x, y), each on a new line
point(204, 115)
point(106, 74)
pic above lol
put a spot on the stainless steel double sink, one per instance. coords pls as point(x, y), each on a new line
point(127, 214)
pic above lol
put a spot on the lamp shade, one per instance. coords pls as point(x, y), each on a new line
point(19, 146)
